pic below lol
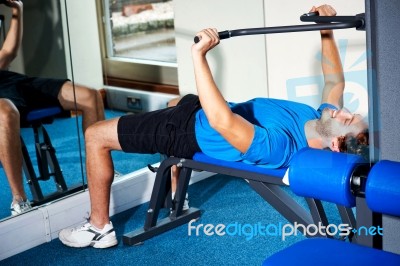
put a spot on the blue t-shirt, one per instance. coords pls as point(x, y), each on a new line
point(279, 132)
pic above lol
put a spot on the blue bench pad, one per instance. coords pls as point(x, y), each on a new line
point(201, 157)
point(42, 113)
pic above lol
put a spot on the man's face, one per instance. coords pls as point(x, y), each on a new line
point(336, 123)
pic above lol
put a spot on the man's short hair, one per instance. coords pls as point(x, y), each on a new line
point(356, 144)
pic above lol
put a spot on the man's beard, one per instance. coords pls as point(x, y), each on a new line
point(324, 125)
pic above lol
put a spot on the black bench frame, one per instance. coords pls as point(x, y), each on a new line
point(47, 164)
point(268, 187)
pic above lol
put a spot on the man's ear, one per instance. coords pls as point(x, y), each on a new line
point(335, 144)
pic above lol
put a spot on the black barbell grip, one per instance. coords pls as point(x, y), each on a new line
point(227, 33)
point(222, 35)
point(310, 14)
point(196, 39)
point(323, 23)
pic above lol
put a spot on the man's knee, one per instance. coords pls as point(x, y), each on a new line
point(92, 135)
point(83, 95)
point(8, 112)
point(101, 134)
point(173, 102)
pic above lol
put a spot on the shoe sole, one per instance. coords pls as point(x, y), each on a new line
point(95, 244)
point(102, 244)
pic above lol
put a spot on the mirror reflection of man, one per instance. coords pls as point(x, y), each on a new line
point(20, 94)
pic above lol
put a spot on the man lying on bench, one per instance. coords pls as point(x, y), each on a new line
point(265, 132)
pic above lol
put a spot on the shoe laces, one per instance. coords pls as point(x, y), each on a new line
point(24, 205)
point(21, 205)
point(83, 227)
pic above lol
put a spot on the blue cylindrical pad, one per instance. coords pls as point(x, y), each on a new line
point(323, 175)
point(382, 191)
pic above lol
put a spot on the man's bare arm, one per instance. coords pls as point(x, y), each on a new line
point(13, 39)
point(331, 65)
point(234, 128)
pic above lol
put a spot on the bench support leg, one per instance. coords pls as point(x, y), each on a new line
point(161, 197)
point(48, 167)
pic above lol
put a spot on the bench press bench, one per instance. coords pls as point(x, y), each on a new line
point(266, 182)
point(47, 163)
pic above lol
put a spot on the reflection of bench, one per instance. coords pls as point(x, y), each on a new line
point(266, 182)
point(47, 163)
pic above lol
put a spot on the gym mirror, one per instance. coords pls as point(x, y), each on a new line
point(52, 164)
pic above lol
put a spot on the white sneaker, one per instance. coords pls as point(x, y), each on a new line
point(88, 235)
point(185, 206)
point(20, 207)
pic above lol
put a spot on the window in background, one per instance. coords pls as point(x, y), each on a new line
point(143, 31)
point(139, 43)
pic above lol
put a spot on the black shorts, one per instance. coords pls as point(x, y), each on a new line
point(169, 131)
point(29, 93)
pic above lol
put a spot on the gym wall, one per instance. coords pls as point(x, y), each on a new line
point(283, 66)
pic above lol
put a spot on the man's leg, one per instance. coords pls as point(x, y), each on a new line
point(100, 139)
point(10, 150)
point(88, 100)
